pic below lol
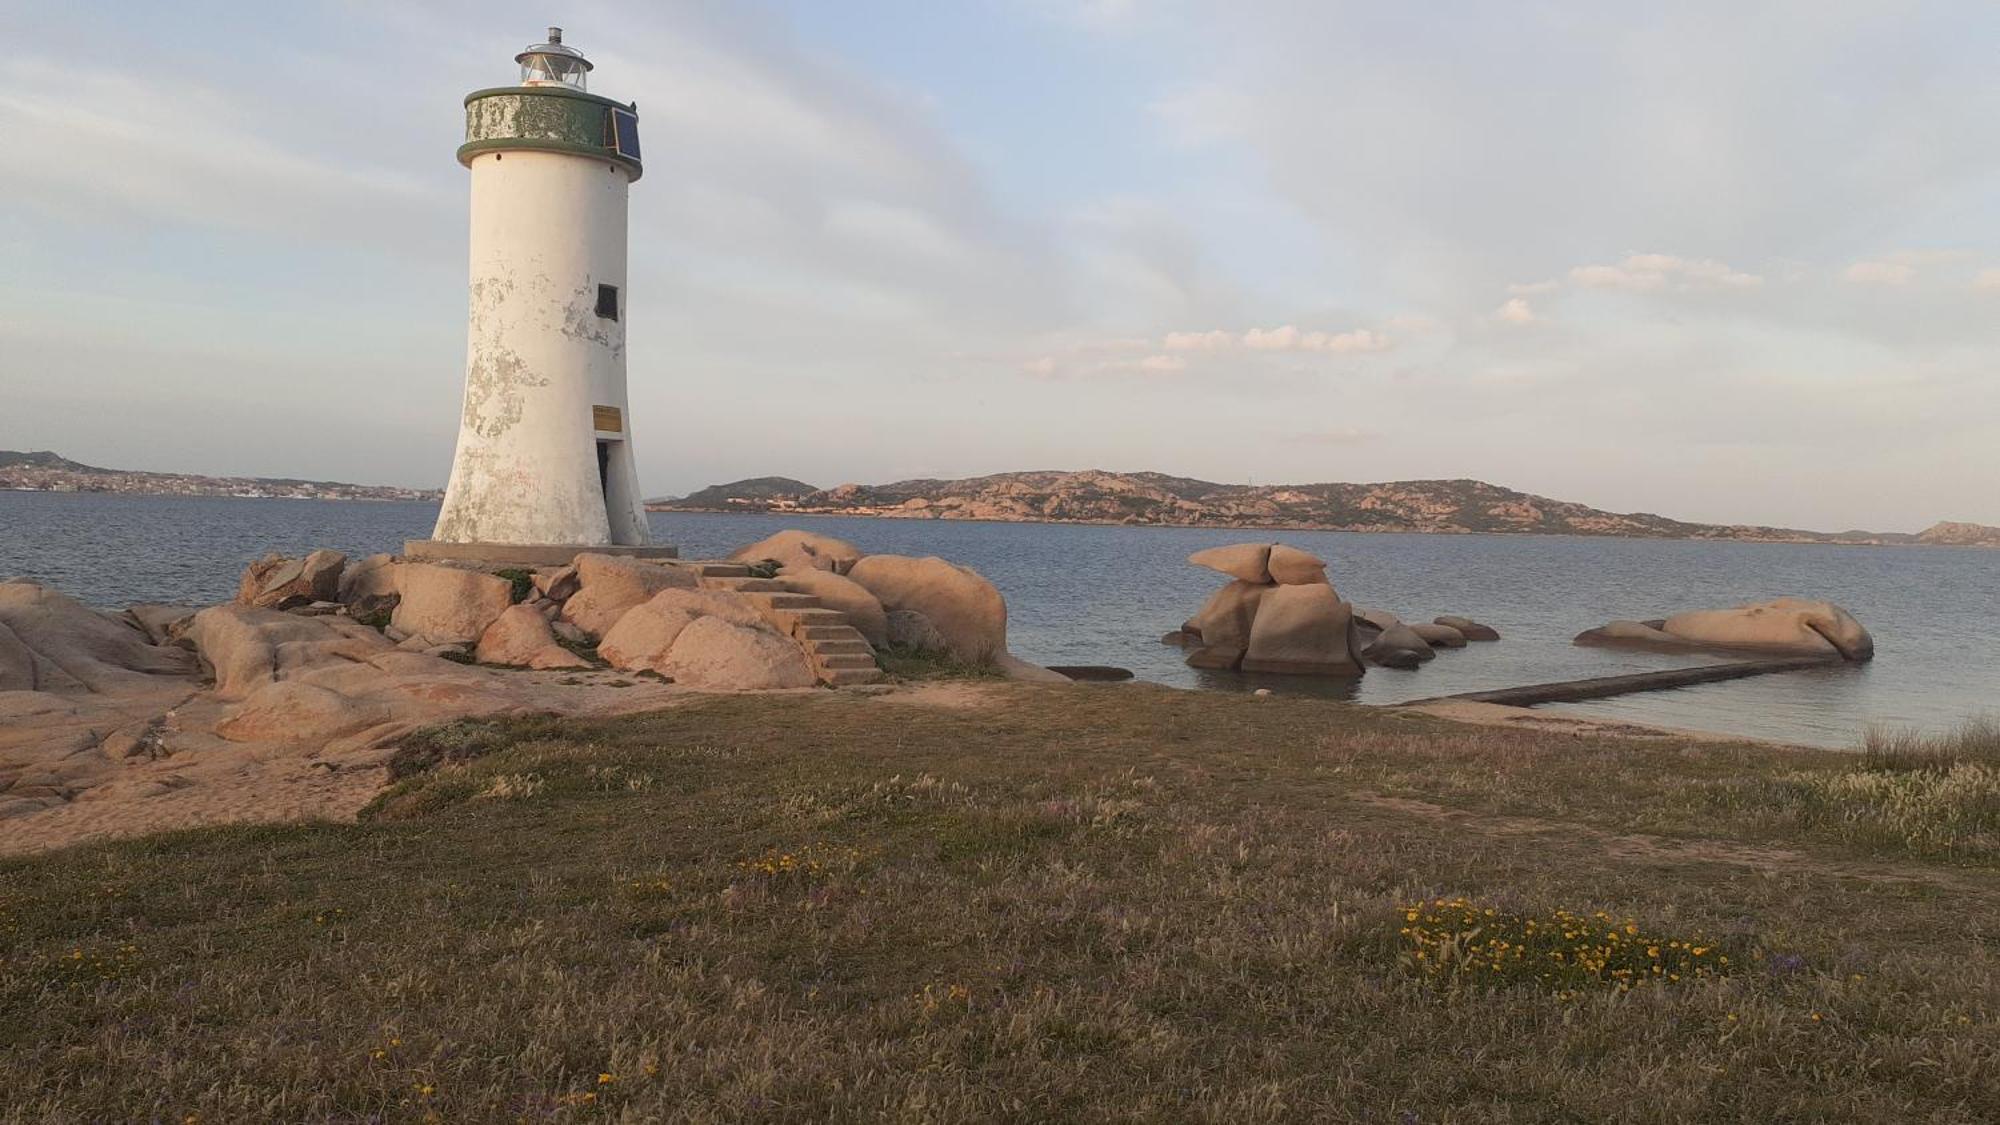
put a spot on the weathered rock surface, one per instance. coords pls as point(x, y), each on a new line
point(246, 648)
point(1438, 636)
point(162, 624)
point(643, 638)
point(1290, 566)
point(802, 550)
point(1303, 630)
point(521, 637)
point(1469, 629)
point(711, 654)
point(369, 580)
point(966, 610)
point(1247, 562)
point(864, 611)
point(1399, 647)
point(51, 642)
point(907, 628)
point(1378, 619)
point(1222, 626)
point(1783, 626)
point(275, 582)
point(448, 604)
point(556, 583)
point(609, 585)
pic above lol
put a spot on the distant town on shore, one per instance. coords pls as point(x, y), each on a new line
point(44, 471)
point(1089, 496)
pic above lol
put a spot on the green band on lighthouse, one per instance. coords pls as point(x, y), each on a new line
point(550, 119)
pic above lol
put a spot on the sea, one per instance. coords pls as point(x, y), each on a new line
point(1104, 595)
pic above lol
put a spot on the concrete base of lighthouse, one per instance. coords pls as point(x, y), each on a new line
point(526, 554)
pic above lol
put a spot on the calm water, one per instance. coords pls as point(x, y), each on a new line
point(1103, 595)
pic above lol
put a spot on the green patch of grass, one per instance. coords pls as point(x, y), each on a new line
point(923, 664)
point(1065, 903)
point(523, 582)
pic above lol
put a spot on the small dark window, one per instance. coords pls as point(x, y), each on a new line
point(607, 302)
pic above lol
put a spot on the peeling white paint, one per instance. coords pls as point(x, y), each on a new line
point(547, 229)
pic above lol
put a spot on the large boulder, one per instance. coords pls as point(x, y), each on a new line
point(52, 642)
point(1630, 634)
point(644, 635)
point(1290, 566)
point(1247, 562)
point(1399, 647)
point(521, 637)
point(802, 550)
point(1221, 629)
point(275, 582)
point(711, 654)
point(1438, 636)
point(1303, 629)
point(1783, 625)
point(909, 629)
point(608, 585)
point(1468, 628)
point(371, 578)
point(448, 604)
point(1377, 619)
point(863, 610)
point(246, 648)
point(966, 610)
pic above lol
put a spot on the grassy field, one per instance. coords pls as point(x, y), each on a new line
point(1034, 904)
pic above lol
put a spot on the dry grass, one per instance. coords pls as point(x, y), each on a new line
point(1088, 903)
point(1975, 742)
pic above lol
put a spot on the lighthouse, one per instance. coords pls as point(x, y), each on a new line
point(544, 466)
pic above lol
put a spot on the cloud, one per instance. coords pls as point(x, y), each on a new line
point(1041, 366)
point(1289, 338)
point(1645, 273)
point(1516, 311)
point(1988, 278)
point(1213, 340)
point(1879, 273)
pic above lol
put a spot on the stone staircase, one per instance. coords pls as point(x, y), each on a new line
point(839, 654)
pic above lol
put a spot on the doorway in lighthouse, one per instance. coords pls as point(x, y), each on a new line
point(604, 479)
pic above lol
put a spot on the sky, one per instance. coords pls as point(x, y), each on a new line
point(1736, 261)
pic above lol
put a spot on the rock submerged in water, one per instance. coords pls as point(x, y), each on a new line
point(1278, 615)
point(1468, 628)
point(1281, 614)
point(1780, 627)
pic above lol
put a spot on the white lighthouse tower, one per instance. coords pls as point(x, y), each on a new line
point(544, 467)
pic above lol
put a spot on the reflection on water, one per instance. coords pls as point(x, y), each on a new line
point(1104, 595)
point(1342, 689)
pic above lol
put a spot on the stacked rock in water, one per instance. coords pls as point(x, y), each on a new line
point(1279, 614)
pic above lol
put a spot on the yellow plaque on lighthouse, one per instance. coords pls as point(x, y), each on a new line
point(607, 420)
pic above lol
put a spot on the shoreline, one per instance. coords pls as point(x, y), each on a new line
point(1314, 528)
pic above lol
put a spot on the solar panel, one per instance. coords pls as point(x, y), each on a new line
point(625, 133)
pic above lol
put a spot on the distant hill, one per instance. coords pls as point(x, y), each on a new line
point(1960, 535)
point(755, 494)
point(43, 459)
point(1093, 496)
point(44, 471)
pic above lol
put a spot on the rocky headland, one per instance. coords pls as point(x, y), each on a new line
point(289, 701)
point(1094, 496)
